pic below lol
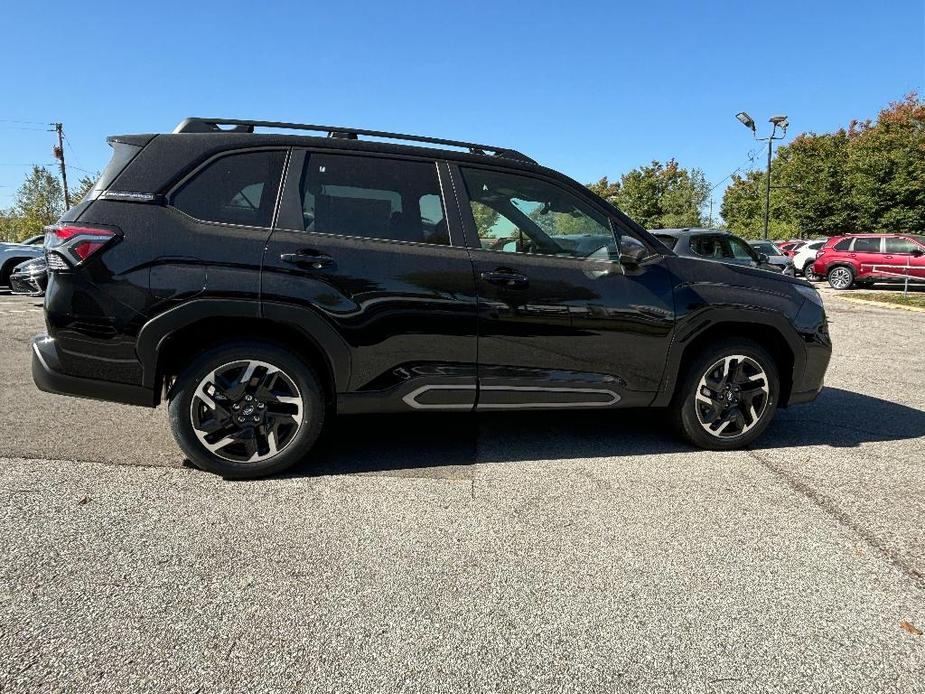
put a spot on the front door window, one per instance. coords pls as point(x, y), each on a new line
point(520, 214)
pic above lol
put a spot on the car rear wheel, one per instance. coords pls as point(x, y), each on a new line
point(841, 277)
point(728, 396)
point(246, 410)
point(809, 274)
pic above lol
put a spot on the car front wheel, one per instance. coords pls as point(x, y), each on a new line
point(246, 410)
point(728, 396)
point(841, 277)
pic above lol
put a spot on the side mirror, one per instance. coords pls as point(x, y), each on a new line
point(632, 252)
point(763, 258)
point(917, 253)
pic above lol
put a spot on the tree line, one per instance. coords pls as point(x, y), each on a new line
point(867, 177)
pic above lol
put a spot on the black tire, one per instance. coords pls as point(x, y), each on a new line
point(808, 273)
point(743, 427)
point(840, 277)
point(295, 421)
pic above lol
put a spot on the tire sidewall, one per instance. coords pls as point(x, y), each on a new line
point(687, 409)
point(313, 410)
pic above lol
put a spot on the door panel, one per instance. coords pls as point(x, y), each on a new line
point(578, 325)
point(903, 258)
point(574, 329)
point(867, 252)
point(406, 309)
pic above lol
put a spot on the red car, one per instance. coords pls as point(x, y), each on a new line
point(790, 248)
point(862, 259)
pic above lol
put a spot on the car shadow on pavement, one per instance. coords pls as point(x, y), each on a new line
point(409, 442)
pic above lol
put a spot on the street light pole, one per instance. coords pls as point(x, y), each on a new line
point(767, 187)
point(776, 121)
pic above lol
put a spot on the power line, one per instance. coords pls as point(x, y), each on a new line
point(25, 122)
point(23, 127)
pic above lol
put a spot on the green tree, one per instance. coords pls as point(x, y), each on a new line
point(659, 195)
point(39, 202)
point(84, 185)
point(742, 209)
point(606, 189)
point(811, 189)
point(886, 168)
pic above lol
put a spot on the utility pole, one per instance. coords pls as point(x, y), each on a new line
point(59, 155)
point(777, 122)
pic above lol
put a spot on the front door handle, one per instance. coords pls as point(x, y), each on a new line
point(310, 259)
point(504, 277)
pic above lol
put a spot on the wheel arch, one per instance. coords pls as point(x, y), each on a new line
point(8, 265)
point(170, 340)
point(770, 330)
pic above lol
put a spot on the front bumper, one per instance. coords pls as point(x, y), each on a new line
point(47, 375)
point(27, 284)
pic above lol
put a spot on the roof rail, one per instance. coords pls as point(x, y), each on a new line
point(212, 125)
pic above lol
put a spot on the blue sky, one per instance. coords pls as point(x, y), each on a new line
point(590, 88)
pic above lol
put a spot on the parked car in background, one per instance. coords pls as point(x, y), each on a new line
point(715, 245)
point(789, 248)
point(775, 256)
point(30, 277)
point(14, 253)
point(862, 259)
point(806, 256)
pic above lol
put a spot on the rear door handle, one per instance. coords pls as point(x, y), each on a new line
point(504, 277)
point(308, 259)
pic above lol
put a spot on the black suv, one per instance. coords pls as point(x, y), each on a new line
point(261, 283)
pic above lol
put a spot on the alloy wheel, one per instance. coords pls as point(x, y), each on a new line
point(840, 278)
point(732, 396)
point(246, 411)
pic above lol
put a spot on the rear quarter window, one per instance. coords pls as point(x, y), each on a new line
point(237, 189)
point(842, 245)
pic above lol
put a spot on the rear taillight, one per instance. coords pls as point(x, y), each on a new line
point(69, 245)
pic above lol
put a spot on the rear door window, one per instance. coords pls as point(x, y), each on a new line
point(372, 197)
point(236, 189)
point(709, 247)
point(866, 245)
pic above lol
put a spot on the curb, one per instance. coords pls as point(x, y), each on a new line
point(886, 304)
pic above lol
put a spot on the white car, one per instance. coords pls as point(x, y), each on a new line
point(805, 257)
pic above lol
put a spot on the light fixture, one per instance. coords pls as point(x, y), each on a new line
point(746, 120)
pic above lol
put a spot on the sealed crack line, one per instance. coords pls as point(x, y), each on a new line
point(831, 509)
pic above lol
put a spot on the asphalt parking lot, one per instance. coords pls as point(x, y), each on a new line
point(506, 553)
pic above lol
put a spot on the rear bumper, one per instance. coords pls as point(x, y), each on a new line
point(47, 375)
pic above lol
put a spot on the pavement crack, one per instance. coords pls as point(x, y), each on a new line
point(831, 509)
